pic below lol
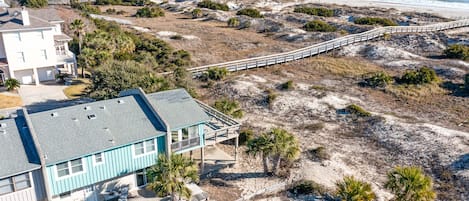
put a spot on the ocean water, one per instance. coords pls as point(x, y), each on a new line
point(459, 1)
point(464, 4)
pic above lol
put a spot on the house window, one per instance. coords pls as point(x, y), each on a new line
point(60, 48)
point(44, 54)
point(70, 167)
point(15, 183)
point(145, 147)
point(185, 133)
point(20, 57)
point(98, 158)
point(193, 131)
point(174, 136)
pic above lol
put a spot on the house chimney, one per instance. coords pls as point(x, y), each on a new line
point(25, 17)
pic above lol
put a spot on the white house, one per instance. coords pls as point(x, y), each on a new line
point(32, 46)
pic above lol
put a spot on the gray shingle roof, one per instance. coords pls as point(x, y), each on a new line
point(70, 132)
point(11, 19)
point(17, 153)
point(177, 108)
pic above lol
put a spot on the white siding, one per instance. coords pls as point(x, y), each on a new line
point(31, 44)
point(28, 194)
point(2, 47)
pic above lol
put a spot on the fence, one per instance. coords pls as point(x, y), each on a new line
point(323, 47)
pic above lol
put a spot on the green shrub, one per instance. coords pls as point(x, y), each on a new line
point(233, 22)
point(229, 107)
point(34, 3)
point(123, 2)
point(216, 73)
point(466, 82)
point(245, 135)
point(457, 52)
point(12, 84)
point(213, 5)
point(304, 187)
point(315, 11)
point(379, 79)
point(251, 12)
point(319, 154)
point(197, 13)
point(357, 110)
point(353, 189)
point(271, 96)
point(318, 25)
point(86, 8)
point(111, 11)
point(423, 75)
point(150, 12)
point(121, 12)
point(374, 21)
point(288, 85)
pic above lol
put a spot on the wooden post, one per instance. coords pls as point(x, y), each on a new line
point(236, 147)
point(190, 155)
point(202, 160)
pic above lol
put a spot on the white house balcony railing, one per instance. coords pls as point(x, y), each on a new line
point(185, 144)
point(65, 57)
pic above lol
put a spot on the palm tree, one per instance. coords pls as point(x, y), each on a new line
point(170, 175)
point(410, 184)
point(275, 146)
point(12, 84)
point(351, 189)
point(77, 26)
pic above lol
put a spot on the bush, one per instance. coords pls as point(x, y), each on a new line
point(86, 8)
point(233, 22)
point(245, 135)
point(357, 110)
point(111, 11)
point(197, 13)
point(422, 76)
point(34, 3)
point(150, 12)
point(318, 25)
point(213, 5)
point(319, 154)
point(304, 187)
point(379, 79)
point(216, 73)
point(353, 189)
point(123, 2)
point(374, 21)
point(288, 85)
point(315, 11)
point(229, 107)
point(271, 96)
point(457, 52)
point(12, 84)
point(121, 12)
point(251, 12)
point(466, 82)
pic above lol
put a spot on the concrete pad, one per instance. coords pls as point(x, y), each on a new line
point(32, 94)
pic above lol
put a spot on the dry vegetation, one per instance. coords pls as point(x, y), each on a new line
point(8, 101)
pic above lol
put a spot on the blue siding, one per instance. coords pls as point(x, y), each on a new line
point(117, 162)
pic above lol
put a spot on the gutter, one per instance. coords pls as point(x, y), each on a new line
point(40, 154)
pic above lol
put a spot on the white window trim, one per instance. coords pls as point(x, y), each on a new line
point(145, 153)
point(83, 163)
point(94, 159)
point(15, 190)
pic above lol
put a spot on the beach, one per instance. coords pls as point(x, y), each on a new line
point(445, 9)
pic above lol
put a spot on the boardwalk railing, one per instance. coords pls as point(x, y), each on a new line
point(326, 46)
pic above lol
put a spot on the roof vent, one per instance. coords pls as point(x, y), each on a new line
point(3, 125)
point(74, 119)
point(92, 116)
point(54, 114)
point(120, 101)
point(3, 132)
point(106, 129)
point(102, 107)
point(87, 108)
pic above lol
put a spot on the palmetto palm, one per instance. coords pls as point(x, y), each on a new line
point(410, 184)
point(351, 189)
point(12, 84)
point(170, 176)
point(274, 146)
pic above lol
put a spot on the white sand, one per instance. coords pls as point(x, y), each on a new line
point(445, 9)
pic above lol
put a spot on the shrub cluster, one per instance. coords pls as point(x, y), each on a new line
point(34, 3)
point(251, 12)
point(123, 2)
point(315, 11)
point(245, 135)
point(150, 12)
point(304, 187)
point(423, 75)
point(288, 85)
point(215, 73)
point(229, 107)
point(86, 7)
point(466, 82)
point(374, 21)
point(457, 52)
point(319, 154)
point(233, 22)
point(196, 13)
point(357, 110)
point(213, 5)
point(271, 96)
point(379, 79)
point(320, 26)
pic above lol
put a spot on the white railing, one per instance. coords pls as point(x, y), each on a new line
point(326, 46)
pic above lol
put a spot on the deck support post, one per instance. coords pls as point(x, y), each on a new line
point(190, 155)
point(202, 160)
point(236, 147)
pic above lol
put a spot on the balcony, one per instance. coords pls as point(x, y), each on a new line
point(185, 144)
point(64, 57)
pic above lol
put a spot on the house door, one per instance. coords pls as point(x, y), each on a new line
point(2, 78)
point(141, 178)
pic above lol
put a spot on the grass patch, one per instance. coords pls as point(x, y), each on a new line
point(213, 5)
point(415, 92)
point(251, 12)
point(344, 67)
point(10, 101)
point(319, 26)
point(375, 21)
point(357, 110)
point(315, 11)
point(77, 89)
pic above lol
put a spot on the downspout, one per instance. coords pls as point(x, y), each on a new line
point(154, 110)
point(40, 154)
